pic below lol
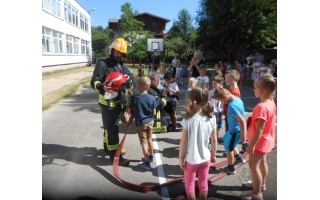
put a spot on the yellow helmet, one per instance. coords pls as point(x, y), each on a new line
point(119, 44)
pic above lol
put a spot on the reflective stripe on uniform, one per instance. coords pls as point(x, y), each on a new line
point(95, 85)
point(105, 140)
point(158, 124)
point(102, 100)
point(113, 147)
point(105, 102)
point(105, 137)
point(164, 102)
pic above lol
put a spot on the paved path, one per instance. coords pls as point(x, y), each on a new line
point(74, 165)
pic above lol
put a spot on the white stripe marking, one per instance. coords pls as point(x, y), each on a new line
point(162, 179)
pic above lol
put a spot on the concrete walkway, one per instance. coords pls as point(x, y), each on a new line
point(54, 84)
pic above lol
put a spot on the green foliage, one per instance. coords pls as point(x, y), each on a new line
point(235, 26)
point(137, 44)
point(127, 21)
point(182, 35)
point(132, 30)
point(177, 45)
point(100, 41)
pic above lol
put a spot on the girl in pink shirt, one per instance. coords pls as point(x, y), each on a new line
point(261, 135)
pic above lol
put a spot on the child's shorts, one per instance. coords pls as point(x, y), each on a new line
point(218, 119)
point(145, 132)
point(171, 106)
point(231, 140)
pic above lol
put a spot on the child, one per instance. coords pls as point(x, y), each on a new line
point(231, 79)
point(217, 70)
point(256, 72)
point(242, 75)
point(203, 79)
point(261, 135)
point(139, 71)
point(155, 69)
point(194, 154)
point(184, 74)
point(191, 84)
point(144, 107)
point(173, 92)
point(217, 105)
point(178, 74)
point(236, 125)
point(163, 71)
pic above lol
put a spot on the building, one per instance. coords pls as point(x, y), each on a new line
point(66, 34)
point(154, 24)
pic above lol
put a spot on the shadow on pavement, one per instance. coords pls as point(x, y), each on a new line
point(90, 156)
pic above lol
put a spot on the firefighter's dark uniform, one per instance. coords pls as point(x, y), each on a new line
point(110, 109)
point(165, 104)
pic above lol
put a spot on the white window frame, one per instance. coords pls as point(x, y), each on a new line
point(85, 48)
point(76, 45)
point(69, 44)
point(71, 14)
point(52, 41)
point(83, 22)
point(52, 6)
point(72, 45)
point(86, 24)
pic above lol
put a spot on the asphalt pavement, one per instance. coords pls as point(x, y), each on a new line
point(74, 165)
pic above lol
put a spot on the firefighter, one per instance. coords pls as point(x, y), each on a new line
point(111, 100)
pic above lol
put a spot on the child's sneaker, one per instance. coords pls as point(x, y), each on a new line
point(250, 196)
point(248, 185)
point(145, 165)
point(228, 169)
point(151, 158)
point(239, 159)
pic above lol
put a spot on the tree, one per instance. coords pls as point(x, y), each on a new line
point(235, 26)
point(137, 41)
point(100, 40)
point(182, 34)
point(132, 30)
point(127, 21)
point(176, 45)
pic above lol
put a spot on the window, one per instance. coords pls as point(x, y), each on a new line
point(85, 47)
point(53, 6)
point(69, 44)
point(71, 14)
point(52, 41)
point(83, 22)
point(72, 45)
point(76, 45)
point(86, 24)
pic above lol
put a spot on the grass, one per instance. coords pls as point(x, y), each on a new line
point(58, 73)
point(52, 98)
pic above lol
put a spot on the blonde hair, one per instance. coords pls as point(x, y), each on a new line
point(267, 81)
point(193, 80)
point(144, 83)
point(219, 93)
point(200, 53)
point(199, 100)
point(234, 74)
